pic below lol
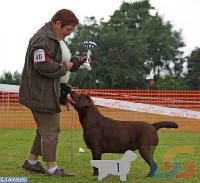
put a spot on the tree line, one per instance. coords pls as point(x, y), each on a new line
point(134, 48)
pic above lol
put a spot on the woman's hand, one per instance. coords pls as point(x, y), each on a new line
point(84, 58)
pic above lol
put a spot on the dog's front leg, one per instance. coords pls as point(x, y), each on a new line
point(96, 155)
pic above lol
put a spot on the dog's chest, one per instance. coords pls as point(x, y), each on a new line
point(92, 139)
point(88, 141)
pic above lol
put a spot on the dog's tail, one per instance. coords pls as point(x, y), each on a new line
point(165, 124)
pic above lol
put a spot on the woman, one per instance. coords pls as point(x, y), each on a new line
point(48, 61)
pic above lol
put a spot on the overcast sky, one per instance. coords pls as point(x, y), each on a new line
point(20, 19)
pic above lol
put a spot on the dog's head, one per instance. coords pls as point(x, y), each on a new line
point(80, 100)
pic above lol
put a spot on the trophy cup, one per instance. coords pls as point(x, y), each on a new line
point(89, 46)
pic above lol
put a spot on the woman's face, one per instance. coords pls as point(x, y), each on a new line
point(65, 31)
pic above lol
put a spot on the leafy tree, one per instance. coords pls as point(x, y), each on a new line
point(131, 37)
point(193, 77)
point(8, 78)
point(16, 78)
point(160, 44)
point(169, 83)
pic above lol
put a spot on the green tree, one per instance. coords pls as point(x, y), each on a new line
point(131, 37)
point(9, 78)
point(16, 78)
point(169, 83)
point(193, 77)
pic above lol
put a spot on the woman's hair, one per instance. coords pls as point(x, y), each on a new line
point(65, 17)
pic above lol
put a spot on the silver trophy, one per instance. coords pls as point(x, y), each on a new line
point(89, 46)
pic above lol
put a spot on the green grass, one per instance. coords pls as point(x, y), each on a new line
point(16, 143)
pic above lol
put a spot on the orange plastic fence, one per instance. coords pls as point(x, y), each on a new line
point(15, 115)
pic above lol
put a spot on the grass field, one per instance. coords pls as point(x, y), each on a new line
point(15, 145)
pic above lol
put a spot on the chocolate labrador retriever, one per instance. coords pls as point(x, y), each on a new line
point(105, 135)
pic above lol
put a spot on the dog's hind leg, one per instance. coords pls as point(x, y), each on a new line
point(153, 165)
point(147, 155)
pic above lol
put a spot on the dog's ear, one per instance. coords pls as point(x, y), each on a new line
point(85, 101)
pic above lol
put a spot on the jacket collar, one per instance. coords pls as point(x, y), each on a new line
point(50, 31)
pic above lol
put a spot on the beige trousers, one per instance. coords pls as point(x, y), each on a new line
point(46, 138)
